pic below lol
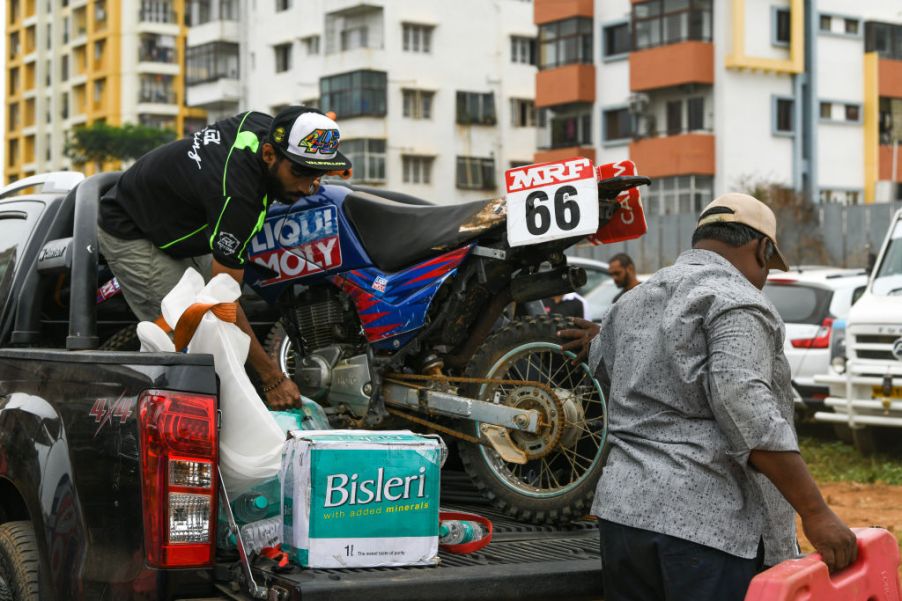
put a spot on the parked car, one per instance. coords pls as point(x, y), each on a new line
point(810, 301)
point(596, 292)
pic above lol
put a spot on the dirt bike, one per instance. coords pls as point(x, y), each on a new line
point(393, 313)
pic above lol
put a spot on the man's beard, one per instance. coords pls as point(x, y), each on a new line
point(274, 187)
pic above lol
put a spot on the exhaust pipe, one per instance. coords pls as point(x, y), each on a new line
point(547, 283)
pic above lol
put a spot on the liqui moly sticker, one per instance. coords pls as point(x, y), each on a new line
point(298, 244)
point(548, 201)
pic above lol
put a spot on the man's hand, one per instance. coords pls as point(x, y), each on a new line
point(284, 396)
point(579, 338)
point(831, 538)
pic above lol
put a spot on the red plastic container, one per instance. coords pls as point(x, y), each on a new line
point(873, 577)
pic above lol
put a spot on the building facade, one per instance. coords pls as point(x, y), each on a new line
point(78, 62)
point(711, 96)
point(433, 98)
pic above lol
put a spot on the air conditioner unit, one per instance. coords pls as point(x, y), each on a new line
point(638, 102)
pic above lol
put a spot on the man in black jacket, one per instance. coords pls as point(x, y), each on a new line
point(198, 202)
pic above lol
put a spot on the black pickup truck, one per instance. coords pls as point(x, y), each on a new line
point(88, 509)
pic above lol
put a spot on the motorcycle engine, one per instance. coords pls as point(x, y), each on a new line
point(335, 369)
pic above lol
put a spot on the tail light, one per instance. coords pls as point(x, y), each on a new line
point(821, 338)
point(178, 463)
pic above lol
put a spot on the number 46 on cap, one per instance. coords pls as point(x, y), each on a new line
point(549, 201)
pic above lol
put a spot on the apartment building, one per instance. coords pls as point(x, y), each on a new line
point(712, 96)
point(78, 62)
point(433, 98)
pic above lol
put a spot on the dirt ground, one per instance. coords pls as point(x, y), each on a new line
point(863, 505)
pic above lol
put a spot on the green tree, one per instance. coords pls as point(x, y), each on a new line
point(102, 143)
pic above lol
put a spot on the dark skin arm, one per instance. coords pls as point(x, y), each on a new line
point(285, 394)
point(826, 532)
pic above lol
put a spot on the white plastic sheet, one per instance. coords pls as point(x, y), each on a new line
point(250, 440)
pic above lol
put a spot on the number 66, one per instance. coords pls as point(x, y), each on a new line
point(566, 211)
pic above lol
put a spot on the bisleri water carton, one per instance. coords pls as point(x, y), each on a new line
point(357, 498)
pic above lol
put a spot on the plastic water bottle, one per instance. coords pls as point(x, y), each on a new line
point(264, 533)
point(458, 532)
point(259, 503)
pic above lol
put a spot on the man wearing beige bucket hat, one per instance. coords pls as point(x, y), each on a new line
point(704, 471)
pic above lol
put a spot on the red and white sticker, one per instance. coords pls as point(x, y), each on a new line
point(629, 222)
point(549, 201)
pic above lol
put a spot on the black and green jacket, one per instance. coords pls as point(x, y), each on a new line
point(202, 194)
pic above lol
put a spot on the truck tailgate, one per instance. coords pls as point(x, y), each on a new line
point(523, 562)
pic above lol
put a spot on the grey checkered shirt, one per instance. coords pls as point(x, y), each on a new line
point(694, 360)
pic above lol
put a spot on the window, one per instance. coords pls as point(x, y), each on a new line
point(282, 5)
point(825, 23)
point(474, 108)
point(566, 126)
point(784, 123)
point(686, 194)
point(883, 38)
point(353, 28)
point(157, 48)
point(523, 50)
point(354, 94)
point(781, 27)
point(13, 114)
point(210, 62)
point(618, 124)
point(64, 67)
point(311, 44)
point(13, 232)
point(523, 112)
point(417, 38)
point(417, 169)
point(100, 88)
point(616, 39)
point(283, 57)
point(14, 81)
point(695, 108)
point(840, 112)
point(368, 157)
point(674, 117)
point(565, 42)
point(159, 89)
point(890, 120)
point(798, 303)
point(475, 173)
point(661, 22)
point(417, 104)
point(851, 26)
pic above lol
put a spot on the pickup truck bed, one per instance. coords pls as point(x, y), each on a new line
point(523, 562)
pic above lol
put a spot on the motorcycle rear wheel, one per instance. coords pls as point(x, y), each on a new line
point(558, 482)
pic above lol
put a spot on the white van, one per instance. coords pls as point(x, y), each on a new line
point(866, 388)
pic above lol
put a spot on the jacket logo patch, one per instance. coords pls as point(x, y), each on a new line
point(227, 243)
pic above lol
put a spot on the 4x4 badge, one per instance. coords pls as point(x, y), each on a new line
point(897, 349)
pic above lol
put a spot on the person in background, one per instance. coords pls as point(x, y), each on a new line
point(623, 272)
point(704, 471)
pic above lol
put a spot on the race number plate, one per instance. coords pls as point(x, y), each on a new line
point(548, 201)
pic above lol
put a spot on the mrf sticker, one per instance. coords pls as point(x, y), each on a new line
point(298, 244)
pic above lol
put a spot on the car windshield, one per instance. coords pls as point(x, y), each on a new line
point(888, 280)
point(798, 304)
point(601, 298)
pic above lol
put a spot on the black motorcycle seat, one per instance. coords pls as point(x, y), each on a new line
point(398, 235)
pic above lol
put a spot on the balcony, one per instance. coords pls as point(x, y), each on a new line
point(672, 65)
point(214, 31)
point(565, 85)
point(215, 95)
point(886, 163)
point(157, 96)
point(889, 78)
point(548, 11)
point(557, 154)
point(683, 154)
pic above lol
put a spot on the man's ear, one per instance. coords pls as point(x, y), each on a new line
point(268, 153)
point(761, 252)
